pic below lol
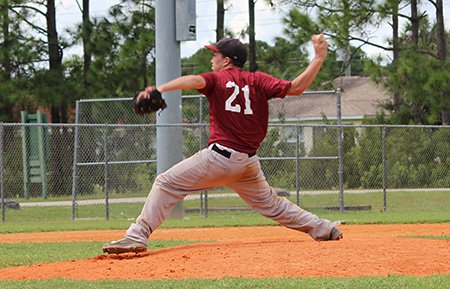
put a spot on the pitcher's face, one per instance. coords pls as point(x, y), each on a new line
point(219, 62)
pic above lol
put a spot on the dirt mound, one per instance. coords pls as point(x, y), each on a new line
point(254, 252)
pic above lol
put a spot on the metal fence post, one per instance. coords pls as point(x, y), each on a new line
point(204, 194)
point(201, 144)
point(297, 166)
point(206, 203)
point(42, 156)
point(200, 111)
point(383, 156)
point(340, 152)
point(2, 191)
point(201, 203)
point(75, 158)
point(105, 187)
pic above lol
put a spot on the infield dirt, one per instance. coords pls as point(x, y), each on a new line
point(252, 252)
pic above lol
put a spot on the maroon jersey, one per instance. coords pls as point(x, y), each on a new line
point(238, 106)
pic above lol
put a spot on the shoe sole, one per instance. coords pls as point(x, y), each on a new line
point(336, 234)
point(118, 250)
point(338, 237)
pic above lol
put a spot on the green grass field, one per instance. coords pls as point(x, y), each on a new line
point(404, 207)
point(410, 282)
point(408, 207)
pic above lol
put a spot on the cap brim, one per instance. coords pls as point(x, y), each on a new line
point(212, 47)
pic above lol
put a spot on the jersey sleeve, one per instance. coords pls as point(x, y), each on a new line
point(209, 79)
point(273, 87)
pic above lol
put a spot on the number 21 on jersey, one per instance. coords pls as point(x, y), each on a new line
point(237, 107)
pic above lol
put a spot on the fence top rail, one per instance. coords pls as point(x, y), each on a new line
point(309, 92)
point(73, 125)
point(393, 126)
point(4, 124)
point(105, 99)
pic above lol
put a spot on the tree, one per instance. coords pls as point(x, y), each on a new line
point(251, 35)
point(442, 56)
point(20, 52)
point(343, 21)
point(55, 53)
point(29, 14)
point(282, 59)
point(298, 29)
point(123, 49)
point(5, 60)
point(197, 63)
point(6, 71)
point(220, 26)
point(86, 33)
point(420, 73)
point(390, 10)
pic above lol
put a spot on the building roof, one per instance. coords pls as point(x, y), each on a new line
point(360, 97)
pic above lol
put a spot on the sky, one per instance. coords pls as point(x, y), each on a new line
point(268, 22)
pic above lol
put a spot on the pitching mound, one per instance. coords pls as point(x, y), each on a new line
point(254, 252)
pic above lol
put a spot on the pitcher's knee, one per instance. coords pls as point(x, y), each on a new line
point(272, 210)
point(164, 187)
point(160, 180)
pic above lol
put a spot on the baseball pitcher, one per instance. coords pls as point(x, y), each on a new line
point(238, 103)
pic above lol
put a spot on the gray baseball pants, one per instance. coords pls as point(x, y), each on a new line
point(208, 169)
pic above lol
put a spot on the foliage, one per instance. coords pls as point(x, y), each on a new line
point(284, 59)
point(198, 63)
point(191, 142)
point(340, 21)
point(280, 173)
point(415, 158)
point(419, 98)
point(418, 76)
point(421, 102)
point(20, 55)
point(122, 50)
point(299, 28)
point(122, 45)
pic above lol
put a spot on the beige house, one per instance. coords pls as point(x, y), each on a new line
point(360, 97)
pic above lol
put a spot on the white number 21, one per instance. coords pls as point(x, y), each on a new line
point(237, 108)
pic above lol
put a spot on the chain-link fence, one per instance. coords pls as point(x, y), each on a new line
point(398, 168)
point(105, 170)
point(311, 107)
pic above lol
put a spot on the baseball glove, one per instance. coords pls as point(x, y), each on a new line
point(149, 105)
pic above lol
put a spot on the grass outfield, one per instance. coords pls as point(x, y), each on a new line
point(410, 282)
point(404, 207)
point(249, 218)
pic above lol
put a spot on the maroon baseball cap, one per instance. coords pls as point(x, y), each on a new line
point(232, 48)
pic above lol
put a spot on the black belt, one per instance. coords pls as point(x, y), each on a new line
point(226, 153)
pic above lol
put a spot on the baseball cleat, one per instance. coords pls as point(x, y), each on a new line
point(124, 245)
point(336, 234)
